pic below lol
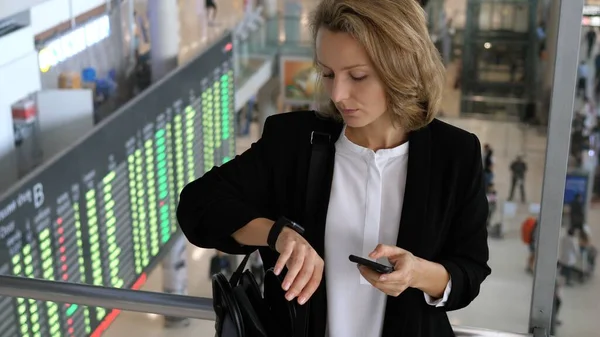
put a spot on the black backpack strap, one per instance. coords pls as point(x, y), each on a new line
point(320, 145)
point(320, 151)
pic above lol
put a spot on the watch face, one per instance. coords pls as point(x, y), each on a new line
point(296, 227)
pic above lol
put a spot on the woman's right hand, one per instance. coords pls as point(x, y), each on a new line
point(305, 266)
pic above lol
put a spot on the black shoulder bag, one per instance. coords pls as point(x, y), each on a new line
point(240, 308)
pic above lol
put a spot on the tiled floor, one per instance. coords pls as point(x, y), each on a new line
point(505, 297)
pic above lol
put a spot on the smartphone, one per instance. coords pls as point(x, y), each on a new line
point(378, 267)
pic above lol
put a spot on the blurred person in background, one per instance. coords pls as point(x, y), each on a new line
point(211, 11)
point(488, 176)
point(529, 229)
point(588, 111)
point(582, 75)
point(590, 36)
point(488, 156)
point(569, 253)
point(576, 213)
point(589, 252)
point(220, 263)
point(492, 202)
point(518, 168)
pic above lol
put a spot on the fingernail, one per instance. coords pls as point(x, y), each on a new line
point(382, 278)
point(277, 271)
point(286, 286)
point(290, 296)
point(302, 300)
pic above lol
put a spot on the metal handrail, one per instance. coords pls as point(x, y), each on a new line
point(114, 298)
point(145, 301)
point(493, 99)
point(467, 331)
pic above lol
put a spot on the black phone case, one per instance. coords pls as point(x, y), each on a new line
point(378, 267)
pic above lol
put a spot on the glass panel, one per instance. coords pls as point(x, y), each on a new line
point(494, 88)
point(504, 300)
point(28, 317)
point(578, 285)
point(34, 318)
point(194, 277)
point(132, 324)
point(252, 50)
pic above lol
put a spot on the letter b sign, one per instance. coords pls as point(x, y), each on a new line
point(38, 195)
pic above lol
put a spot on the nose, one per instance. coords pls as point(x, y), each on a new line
point(340, 90)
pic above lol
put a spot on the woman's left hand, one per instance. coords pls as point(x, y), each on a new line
point(403, 276)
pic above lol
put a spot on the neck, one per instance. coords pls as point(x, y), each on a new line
point(381, 134)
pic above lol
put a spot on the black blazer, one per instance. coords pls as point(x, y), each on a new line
point(443, 216)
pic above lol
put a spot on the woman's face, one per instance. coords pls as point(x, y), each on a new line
point(350, 78)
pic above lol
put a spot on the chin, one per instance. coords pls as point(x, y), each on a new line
point(356, 122)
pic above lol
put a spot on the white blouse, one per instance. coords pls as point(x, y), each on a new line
point(365, 206)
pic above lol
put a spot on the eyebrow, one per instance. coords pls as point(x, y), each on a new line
point(344, 68)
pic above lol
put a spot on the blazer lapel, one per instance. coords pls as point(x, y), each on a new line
point(412, 233)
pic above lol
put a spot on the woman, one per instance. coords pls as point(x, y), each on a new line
point(398, 186)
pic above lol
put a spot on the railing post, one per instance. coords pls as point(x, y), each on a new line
point(555, 170)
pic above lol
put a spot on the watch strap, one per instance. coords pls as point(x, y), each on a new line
point(278, 227)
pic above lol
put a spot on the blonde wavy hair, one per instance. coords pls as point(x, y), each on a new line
point(395, 36)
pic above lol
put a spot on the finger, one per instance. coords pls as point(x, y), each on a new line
point(370, 275)
point(301, 280)
point(283, 258)
point(396, 277)
point(304, 275)
point(389, 288)
point(373, 278)
point(294, 266)
point(312, 285)
point(397, 261)
point(385, 251)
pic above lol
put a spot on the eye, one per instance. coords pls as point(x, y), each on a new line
point(328, 75)
point(358, 78)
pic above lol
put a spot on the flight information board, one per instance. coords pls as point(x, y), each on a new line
point(102, 212)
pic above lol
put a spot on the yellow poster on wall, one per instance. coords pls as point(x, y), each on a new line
point(299, 79)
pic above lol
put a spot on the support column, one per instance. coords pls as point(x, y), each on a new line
point(272, 21)
point(164, 36)
point(567, 42)
point(532, 54)
point(551, 24)
point(292, 22)
point(269, 7)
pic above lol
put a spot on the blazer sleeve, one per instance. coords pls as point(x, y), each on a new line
point(466, 253)
point(226, 198)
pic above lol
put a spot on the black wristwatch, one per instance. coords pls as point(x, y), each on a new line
point(278, 227)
